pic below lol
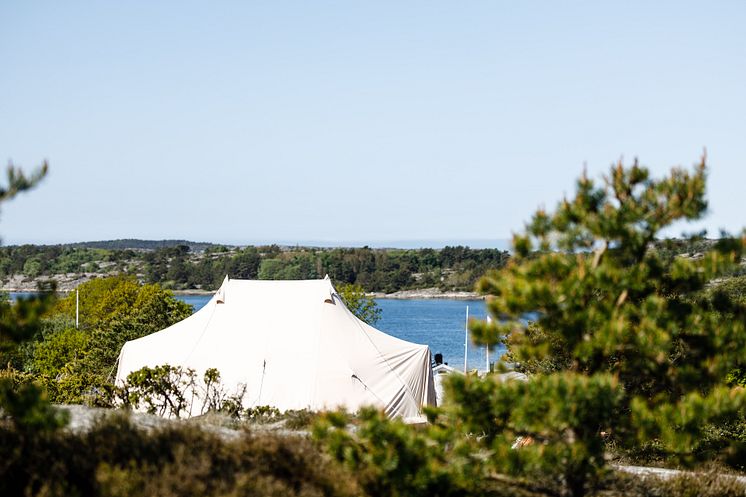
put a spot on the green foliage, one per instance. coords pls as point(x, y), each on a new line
point(25, 405)
point(737, 377)
point(391, 458)
point(299, 266)
point(299, 419)
point(562, 416)
point(32, 268)
point(163, 390)
point(724, 290)
point(362, 306)
point(554, 357)
point(18, 182)
point(76, 365)
point(733, 288)
point(261, 414)
point(115, 458)
point(54, 352)
point(691, 246)
point(682, 426)
point(22, 403)
point(618, 308)
point(628, 346)
point(55, 360)
point(122, 298)
point(173, 391)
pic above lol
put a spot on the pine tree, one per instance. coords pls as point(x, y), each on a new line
point(645, 350)
point(22, 402)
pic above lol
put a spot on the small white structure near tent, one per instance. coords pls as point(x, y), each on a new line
point(294, 345)
point(442, 371)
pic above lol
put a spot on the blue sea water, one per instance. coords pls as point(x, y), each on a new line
point(15, 295)
point(438, 323)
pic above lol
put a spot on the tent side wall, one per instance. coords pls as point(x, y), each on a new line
point(378, 369)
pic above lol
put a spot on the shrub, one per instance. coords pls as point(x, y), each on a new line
point(116, 458)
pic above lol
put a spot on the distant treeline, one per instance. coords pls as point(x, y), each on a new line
point(191, 265)
point(137, 244)
point(180, 267)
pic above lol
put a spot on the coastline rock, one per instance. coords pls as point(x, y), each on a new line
point(68, 282)
point(65, 282)
point(427, 293)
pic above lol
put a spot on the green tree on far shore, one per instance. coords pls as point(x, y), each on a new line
point(360, 304)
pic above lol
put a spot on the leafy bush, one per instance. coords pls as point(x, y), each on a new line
point(261, 414)
point(171, 391)
point(389, 457)
point(76, 365)
point(162, 390)
point(299, 419)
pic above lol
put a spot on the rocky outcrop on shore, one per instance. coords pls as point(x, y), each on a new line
point(68, 282)
point(427, 293)
point(65, 282)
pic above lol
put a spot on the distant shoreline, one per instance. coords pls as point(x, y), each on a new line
point(426, 294)
point(193, 291)
point(419, 294)
point(65, 286)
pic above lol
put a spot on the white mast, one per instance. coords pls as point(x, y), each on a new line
point(77, 308)
point(487, 348)
point(466, 338)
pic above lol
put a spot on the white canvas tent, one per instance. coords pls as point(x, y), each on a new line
point(294, 345)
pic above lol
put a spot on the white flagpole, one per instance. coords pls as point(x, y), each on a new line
point(487, 348)
point(77, 308)
point(466, 338)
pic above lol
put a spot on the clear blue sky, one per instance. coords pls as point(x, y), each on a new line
point(244, 122)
